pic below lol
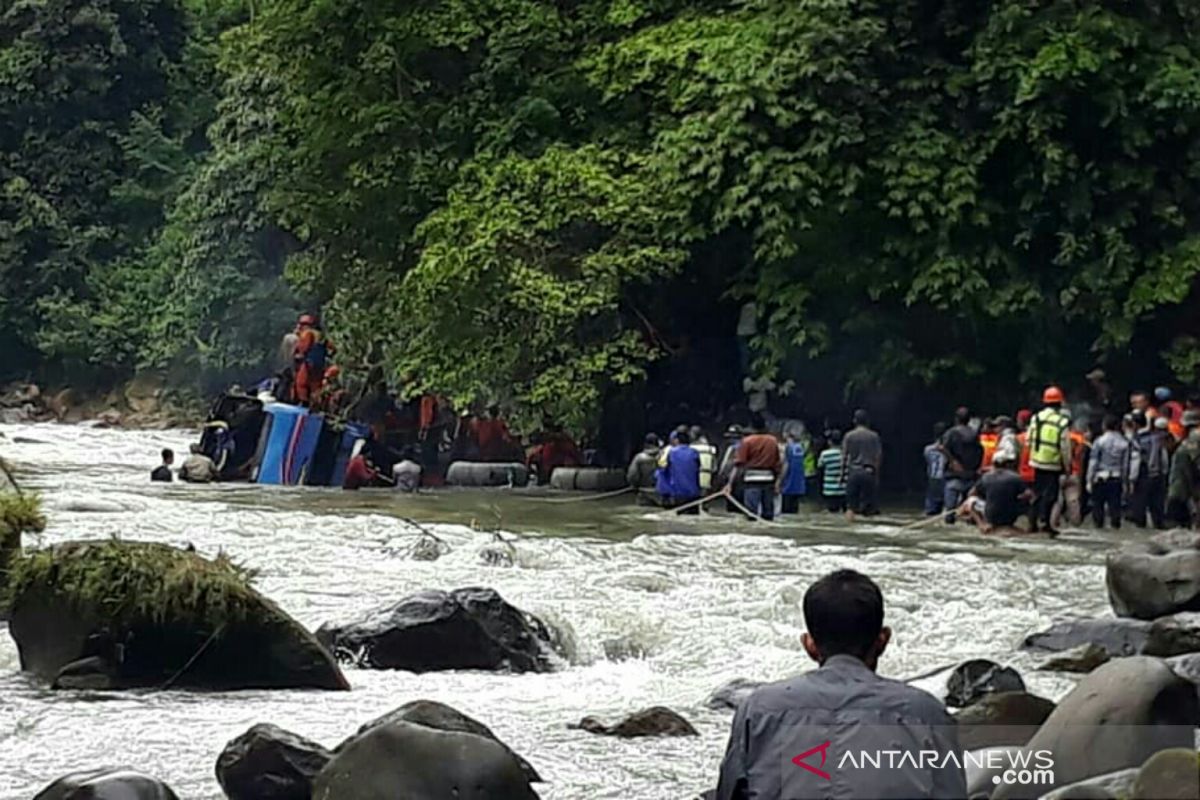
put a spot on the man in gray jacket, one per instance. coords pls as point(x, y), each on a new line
point(1111, 468)
point(812, 736)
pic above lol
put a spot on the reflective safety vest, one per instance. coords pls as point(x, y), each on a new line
point(708, 463)
point(1046, 432)
point(988, 442)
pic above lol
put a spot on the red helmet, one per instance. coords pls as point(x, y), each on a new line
point(1053, 394)
point(307, 319)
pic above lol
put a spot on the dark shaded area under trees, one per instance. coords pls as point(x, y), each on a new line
point(561, 206)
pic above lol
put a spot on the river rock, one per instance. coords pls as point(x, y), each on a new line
point(1155, 577)
point(732, 694)
point(656, 721)
point(269, 763)
point(405, 760)
point(1083, 659)
point(1118, 637)
point(440, 716)
point(107, 784)
point(1003, 718)
point(1168, 775)
point(972, 680)
point(146, 614)
point(1102, 787)
point(1174, 635)
point(1089, 732)
point(434, 630)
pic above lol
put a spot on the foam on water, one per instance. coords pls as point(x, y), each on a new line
point(703, 601)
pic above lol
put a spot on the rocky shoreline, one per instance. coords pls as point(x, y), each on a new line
point(1139, 674)
point(144, 402)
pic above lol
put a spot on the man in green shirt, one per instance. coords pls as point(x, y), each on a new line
point(1184, 483)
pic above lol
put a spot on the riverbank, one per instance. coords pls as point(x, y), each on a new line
point(144, 402)
point(661, 612)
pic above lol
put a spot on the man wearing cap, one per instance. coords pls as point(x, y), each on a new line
point(1184, 481)
point(1049, 455)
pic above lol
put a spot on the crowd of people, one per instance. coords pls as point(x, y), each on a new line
point(759, 474)
point(1052, 467)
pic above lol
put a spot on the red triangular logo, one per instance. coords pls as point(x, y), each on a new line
point(799, 760)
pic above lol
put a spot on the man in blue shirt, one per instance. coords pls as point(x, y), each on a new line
point(791, 739)
point(683, 473)
point(935, 471)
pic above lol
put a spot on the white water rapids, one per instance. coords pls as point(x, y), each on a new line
point(705, 599)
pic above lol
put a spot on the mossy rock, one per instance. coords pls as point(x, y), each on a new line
point(1168, 775)
point(130, 614)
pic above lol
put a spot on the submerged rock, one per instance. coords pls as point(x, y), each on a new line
point(1155, 577)
point(1084, 659)
point(972, 680)
point(128, 614)
point(434, 630)
point(1175, 635)
point(1089, 732)
point(1118, 637)
point(733, 693)
point(656, 721)
point(407, 760)
point(1004, 718)
point(269, 763)
point(440, 716)
point(107, 784)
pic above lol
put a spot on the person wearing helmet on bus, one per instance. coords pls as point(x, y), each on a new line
point(1049, 443)
point(313, 350)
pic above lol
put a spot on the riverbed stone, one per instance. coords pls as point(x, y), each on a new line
point(107, 784)
point(1082, 659)
point(732, 693)
point(471, 628)
point(270, 763)
point(1155, 577)
point(656, 721)
point(1118, 637)
point(440, 716)
point(1175, 635)
point(1089, 731)
point(146, 614)
point(1168, 775)
point(972, 680)
point(406, 760)
point(1003, 718)
point(1109, 786)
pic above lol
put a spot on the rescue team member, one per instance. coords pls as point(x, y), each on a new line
point(683, 473)
point(162, 473)
point(312, 352)
point(1049, 455)
point(844, 703)
point(708, 457)
point(360, 473)
point(1183, 488)
point(758, 464)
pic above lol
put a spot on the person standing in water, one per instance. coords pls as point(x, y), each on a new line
point(162, 473)
point(795, 482)
point(862, 458)
point(758, 464)
point(935, 472)
point(833, 478)
point(1049, 445)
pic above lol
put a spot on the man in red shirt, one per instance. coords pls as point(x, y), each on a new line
point(493, 437)
point(360, 473)
point(758, 465)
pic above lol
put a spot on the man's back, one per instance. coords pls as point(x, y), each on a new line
point(852, 709)
point(683, 464)
point(964, 451)
point(863, 448)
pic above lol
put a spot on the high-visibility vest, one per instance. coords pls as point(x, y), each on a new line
point(1046, 432)
point(988, 441)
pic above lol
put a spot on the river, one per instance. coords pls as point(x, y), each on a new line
point(703, 600)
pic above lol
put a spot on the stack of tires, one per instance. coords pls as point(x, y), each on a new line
point(587, 479)
point(474, 473)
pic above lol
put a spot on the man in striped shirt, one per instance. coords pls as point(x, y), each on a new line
point(935, 471)
point(833, 482)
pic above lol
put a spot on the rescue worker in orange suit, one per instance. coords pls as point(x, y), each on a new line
point(495, 441)
point(331, 398)
point(558, 449)
point(313, 350)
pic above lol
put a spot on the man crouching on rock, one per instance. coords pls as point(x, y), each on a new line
point(794, 739)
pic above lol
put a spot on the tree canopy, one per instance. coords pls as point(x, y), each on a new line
point(540, 203)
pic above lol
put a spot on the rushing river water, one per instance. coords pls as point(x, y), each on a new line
point(702, 600)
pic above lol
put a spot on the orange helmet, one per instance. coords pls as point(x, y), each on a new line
point(307, 319)
point(1053, 394)
point(333, 371)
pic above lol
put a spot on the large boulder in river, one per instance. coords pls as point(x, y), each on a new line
point(1174, 635)
point(1091, 732)
point(106, 784)
point(1168, 775)
point(440, 716)
point(417, 762)
point(1117, 637)
point(963, 684)
point(1003, 718)
point(732, 693)
point(469, 628)
point(269, 763)
point(1155, 577)
point(126, 614)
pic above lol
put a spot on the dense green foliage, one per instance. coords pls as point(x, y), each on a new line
point(512, 200)
point(140, 581)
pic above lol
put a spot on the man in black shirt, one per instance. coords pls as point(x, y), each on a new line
point(999, 499)
point(964, 455)
point(162, 473)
